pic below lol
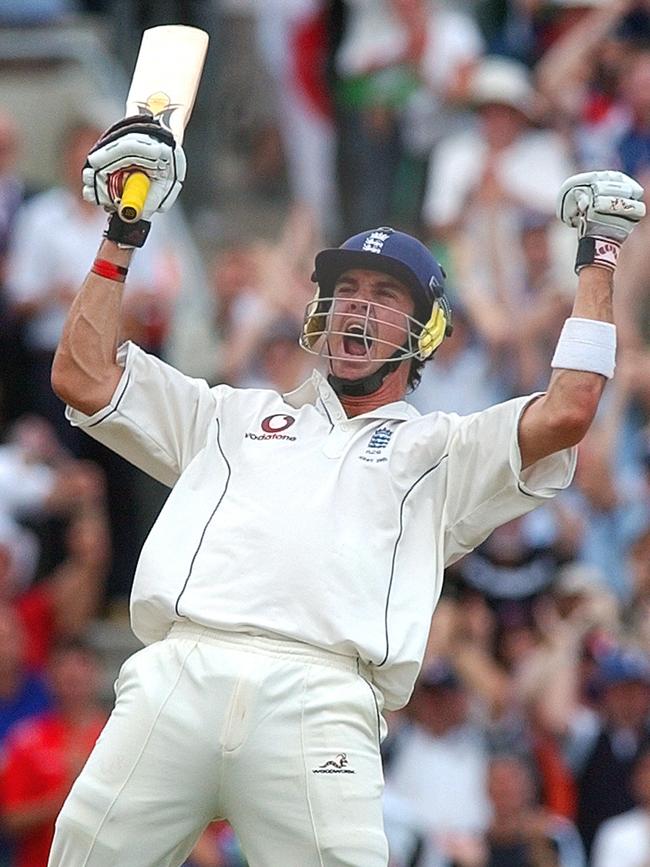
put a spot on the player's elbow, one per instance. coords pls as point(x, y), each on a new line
point(64, 379)
point(83, 392)
point(573, 419)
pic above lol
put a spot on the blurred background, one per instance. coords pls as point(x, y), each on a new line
point(527, 740)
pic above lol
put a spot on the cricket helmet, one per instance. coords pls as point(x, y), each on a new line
point(390, 252)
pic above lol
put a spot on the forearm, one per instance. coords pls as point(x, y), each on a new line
point(85, 372)
point(582, 389)
point(562, 416)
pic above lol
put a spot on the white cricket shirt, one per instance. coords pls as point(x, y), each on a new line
point(288, 518)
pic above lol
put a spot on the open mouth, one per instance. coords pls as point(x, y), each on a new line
point(355, 341)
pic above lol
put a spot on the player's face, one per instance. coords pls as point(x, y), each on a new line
point(368, 321)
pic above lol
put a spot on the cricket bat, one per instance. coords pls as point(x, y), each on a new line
point(165, 81)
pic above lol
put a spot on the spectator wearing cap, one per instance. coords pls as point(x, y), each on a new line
point(624, 840)
point(483, 185)
point(622, 731)
point(438, 768)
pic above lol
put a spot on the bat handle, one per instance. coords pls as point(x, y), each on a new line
point(134, 195)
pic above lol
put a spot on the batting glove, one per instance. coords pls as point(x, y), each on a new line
point(604, 207)
point(138, 143)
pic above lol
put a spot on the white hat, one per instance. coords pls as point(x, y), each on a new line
point(503, 81)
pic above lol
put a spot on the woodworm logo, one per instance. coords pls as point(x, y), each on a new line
point(339, 765)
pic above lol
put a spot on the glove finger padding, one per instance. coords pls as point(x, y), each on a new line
point(143, 123)
point(134, 144)
point(628, 209)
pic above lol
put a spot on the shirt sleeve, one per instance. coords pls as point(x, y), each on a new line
point(158, 418)
point(486, 486)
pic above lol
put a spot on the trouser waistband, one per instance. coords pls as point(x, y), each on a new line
point(286, 647)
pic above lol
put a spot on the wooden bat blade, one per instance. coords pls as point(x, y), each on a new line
point(167, 74)
point(165, 82)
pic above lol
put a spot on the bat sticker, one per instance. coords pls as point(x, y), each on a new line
point(160, 106)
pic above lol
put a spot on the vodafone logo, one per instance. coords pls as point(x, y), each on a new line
point(273, 427)
point(277, 423)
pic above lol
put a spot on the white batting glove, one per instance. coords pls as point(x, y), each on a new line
point(604, 207)
point(135, 144)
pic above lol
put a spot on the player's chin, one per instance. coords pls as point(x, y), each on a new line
point(353, 368)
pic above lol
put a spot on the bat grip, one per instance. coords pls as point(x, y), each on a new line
point(134, 196)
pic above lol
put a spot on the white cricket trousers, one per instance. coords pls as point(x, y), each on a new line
point(280, 738)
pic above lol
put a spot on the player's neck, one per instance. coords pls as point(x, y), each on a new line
point(392, 389)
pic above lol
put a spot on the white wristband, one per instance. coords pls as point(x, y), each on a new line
point(587, 344)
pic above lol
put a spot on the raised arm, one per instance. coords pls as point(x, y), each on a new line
point(85, 372)
point(604, 207)
point(565, 70)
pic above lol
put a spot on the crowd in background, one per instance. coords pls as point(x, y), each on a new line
point(527, 740)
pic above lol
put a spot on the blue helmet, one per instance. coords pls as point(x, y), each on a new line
point(403, 257)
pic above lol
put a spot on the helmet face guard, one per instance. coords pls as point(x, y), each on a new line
point(420, 339)
point(390, 252)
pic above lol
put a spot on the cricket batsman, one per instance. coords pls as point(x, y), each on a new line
point(285, 592)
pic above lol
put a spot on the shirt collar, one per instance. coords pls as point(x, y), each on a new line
point(318, 386)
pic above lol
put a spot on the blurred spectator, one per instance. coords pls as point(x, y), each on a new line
point(12, 194)
point(12, 186)
point(521, 832)
point(484, 187)
point(401, 69)
point(63, 603)
point(43, 755)
point(217, 847)
point(624, 840)
point(607, 496)
point(633, 144)
point(38, 478)
point(579, 76)
point(23, 691)
point(462, 379)
point(438, 766)
point(281, 364)
point(608, 753)
point(259, 288)
point(594, 78)
point(23, 694)
point(519, 560)
point(292, 38)
point(53, 246)
point(406, 838)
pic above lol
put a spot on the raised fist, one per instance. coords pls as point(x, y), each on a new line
point(605, 204)
point(138, 143)
point(604, 207)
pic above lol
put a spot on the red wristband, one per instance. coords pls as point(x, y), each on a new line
point(109, 270)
